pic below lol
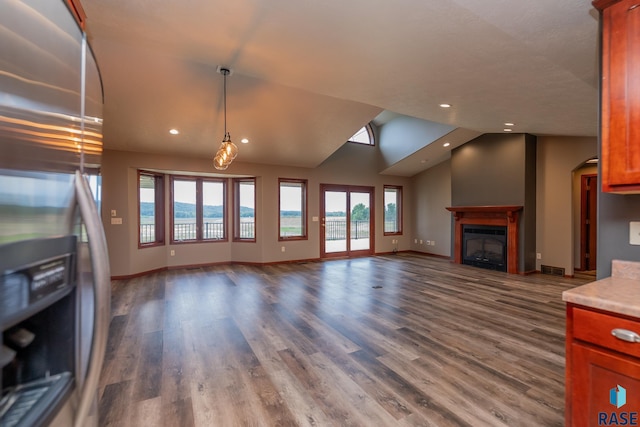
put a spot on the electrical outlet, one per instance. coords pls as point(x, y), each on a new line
point(415, 240)
point(433, 243)
point(173, 252)
point(282, 249)
point(420, 241)
point(428, 242)
point(538, 255)
point(113, 212)
point(634, 233)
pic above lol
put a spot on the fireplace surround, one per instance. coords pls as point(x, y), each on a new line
point(499, 216)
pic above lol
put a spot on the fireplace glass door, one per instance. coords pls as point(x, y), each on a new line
point(485, 246)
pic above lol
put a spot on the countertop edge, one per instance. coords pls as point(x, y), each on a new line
point(614, 294)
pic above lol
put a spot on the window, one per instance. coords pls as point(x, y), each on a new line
point(392, 209)
point(244, 209)
point(198, 209)
point(292, 221)
point(151, 209)
point(363, 136)
point(214, 212)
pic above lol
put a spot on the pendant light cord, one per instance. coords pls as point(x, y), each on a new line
point(225, 72)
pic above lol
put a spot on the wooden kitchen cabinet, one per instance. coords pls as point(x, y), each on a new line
point(596, 363)
point(620, 95)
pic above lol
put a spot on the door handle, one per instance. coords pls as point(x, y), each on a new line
point(626, 335)
point(102, 294)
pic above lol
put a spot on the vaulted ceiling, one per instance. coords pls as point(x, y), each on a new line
point(306, 74)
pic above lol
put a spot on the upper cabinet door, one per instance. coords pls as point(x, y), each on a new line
point(620, 104)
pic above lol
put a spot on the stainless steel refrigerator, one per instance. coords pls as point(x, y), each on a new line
point(54, 270)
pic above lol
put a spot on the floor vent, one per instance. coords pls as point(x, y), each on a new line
point(554, 271)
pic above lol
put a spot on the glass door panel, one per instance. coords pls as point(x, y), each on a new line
point(359, 221)
point(347, 220)
point(335, 221)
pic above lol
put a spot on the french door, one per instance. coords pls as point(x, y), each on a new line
point(347, 227)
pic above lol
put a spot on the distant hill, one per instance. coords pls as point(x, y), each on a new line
point(188, 210)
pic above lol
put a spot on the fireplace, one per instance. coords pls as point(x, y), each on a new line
point(485, 246)
point(483, 218)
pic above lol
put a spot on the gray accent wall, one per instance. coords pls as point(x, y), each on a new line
point(499, 169)
point(615, 211)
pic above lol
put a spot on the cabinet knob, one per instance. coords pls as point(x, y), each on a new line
point(626, 335)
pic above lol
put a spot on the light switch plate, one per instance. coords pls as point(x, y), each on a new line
point(116, 221)
point(634, 233)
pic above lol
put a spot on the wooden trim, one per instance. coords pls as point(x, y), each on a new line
point(159, 206)
point(348, 189)
point(236, 210)
point(78, 12)
point(587, 209)
point(603, 4)
point(568, 379)
point(428, 254)
point(399, 214)
point(530, 272)
point(211, 264)
point(488, 215)
point(140, 274)
point(304, 207)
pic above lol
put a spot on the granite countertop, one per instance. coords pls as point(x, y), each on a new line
point(619, 293)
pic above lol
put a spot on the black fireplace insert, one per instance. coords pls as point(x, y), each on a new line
point(485, 246)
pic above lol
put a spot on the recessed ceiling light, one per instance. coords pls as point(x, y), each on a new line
point(446, 144)
point(445, 105)
point(174, 131)
point(509, 124)
point(244, 140)
point(507, 130)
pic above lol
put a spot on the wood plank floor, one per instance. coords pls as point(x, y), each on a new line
point(399, 340)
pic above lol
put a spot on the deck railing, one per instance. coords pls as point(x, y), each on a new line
point(187, 231)
point(334, 230)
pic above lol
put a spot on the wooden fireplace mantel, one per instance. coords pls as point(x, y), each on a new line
point(488, 215)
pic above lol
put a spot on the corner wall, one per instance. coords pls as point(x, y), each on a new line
point(557, 158)
point(430, 220)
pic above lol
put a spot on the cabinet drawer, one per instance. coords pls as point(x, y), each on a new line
point(597, 328)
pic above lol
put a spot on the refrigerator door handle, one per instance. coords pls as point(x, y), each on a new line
point(102, 295)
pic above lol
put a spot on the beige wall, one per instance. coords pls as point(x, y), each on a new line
point(557, 158)
point(431, 221)
point(424, 215)
point(352, 164)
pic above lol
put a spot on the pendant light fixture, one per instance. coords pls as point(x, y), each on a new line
point(228, 150)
